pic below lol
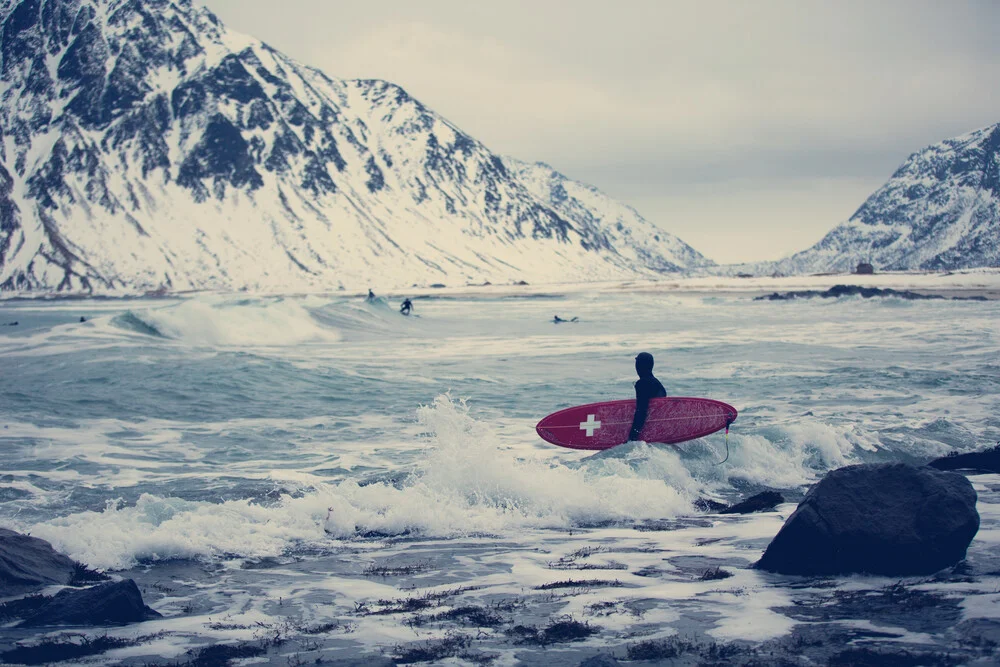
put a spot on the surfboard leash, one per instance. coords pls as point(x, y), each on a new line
point(727, 445)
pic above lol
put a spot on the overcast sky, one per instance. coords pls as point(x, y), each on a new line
point(748, 129)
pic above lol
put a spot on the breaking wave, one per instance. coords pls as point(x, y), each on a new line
point(467, 483)
point(248, 322)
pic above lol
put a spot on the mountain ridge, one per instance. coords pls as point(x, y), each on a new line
point(147, 146)
point(940, 210)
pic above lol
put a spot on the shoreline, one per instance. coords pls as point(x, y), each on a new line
point(629, 593)
point(983, 282)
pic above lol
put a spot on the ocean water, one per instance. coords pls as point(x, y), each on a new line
point(318, 462)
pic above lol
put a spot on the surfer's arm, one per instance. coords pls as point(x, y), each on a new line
point(641, 408)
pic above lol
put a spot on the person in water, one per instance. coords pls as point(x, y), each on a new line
point(406, 307)
point(371, 296)
point(558, 319)
point(646, 387)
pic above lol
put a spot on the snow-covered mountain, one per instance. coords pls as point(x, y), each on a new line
point(144, 145)
point(940, 210)
point(606, 221)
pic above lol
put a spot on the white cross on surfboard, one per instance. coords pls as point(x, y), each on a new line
point(590, 425)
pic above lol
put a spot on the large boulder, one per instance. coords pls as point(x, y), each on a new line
point(28, 563)
point(889, 519)
point(113, 603)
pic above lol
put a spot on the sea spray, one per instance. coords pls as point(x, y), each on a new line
point(466, 484)
point(157, 528)
point(469, 483)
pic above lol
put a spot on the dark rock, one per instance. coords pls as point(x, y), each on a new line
point(986, 461)
point(59, 650)
point(766, 500)
point(222, 154)
point(28, 563)
point(114, 603)
point(376, 180)
point(888, 519)
point(600, 660)
point(709, 505)
point(761, 502)
point(856, 290)
point(864, 269)
point(224, 654)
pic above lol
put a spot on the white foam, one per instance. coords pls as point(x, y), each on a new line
point(158, 528)
point(215, 322)
point(466, 484)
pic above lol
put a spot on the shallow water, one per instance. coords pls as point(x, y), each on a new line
point(230, 451)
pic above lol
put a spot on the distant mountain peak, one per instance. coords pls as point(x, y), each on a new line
point(940, 210)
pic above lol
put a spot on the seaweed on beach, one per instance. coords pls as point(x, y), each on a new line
point(83, 575)
point(321, 628)
point(454, 645)
point(669, 525)
point(604, 608)
point(715, 574)
point(472, 615)
point(674, 647)
point(610, 565)
point(402, 606)
point(570, 561)
point(895, 605)
point(409, 604)
point(566, 630)
point(868, 657)
point(573, 583)
point(395, 570)
point(835, 644)
point(223, 654)
point(64, 648)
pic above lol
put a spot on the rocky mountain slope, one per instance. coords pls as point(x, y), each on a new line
point(143, 145)
point(939, 211)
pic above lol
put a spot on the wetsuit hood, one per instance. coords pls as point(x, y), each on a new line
point(644, 364)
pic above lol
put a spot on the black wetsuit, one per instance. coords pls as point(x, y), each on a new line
point(646, 387)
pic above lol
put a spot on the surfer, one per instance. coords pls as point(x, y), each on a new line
point(371, 296)
point(557, 319)
point(406, 307)
point(646, 387)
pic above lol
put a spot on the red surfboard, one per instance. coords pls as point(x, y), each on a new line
point(605, 425)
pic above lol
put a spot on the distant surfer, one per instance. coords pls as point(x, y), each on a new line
point(406, 307)
point(371, 296)
point(557, 319)
point(646, 388)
